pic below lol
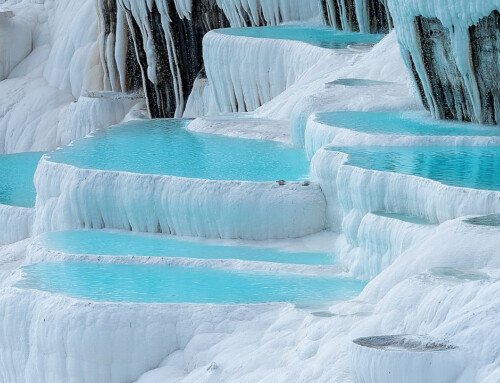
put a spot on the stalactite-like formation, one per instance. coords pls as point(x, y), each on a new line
point(367, 16)
point(160, 41)
point(485, 54)
point(448, 90)
point(268, 12)
point(475, 96)
point(452, 50)
point(117, 52)
point(167, 39)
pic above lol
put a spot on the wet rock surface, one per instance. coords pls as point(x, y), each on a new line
point(451, 87)
point(374, 18)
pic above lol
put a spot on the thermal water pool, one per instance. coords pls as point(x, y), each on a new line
point(403, 217)
point(321, 36)
point(165, 147)
point(16, 178)
point(97, 242)
point(172, 284)
point(404, 123)
point(462, 166)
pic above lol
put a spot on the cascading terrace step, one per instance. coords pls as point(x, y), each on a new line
point(437, 183)
point(414, 128)
point(156, 176)
point(247, 67)
point(105, 246)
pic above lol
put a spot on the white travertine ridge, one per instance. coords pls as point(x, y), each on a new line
point(430, 259)
point(72, 198)
point(16, 223)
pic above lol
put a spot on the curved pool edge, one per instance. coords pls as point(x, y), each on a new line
point(318, 134)
point(373, 190)
point(370, 364)
point(259, 69)
point(75, 198)
point(38, 252)
point(126, 338)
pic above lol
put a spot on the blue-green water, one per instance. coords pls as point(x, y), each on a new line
point(463, 166)
point(165, 147)
point(155, 283)
point(320, 36)
point(97, 242)
point(404, 218)
point(410, 123)
point(16, 179)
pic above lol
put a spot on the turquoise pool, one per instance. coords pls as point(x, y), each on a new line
point(321, 36)
point(404, 218)
point(97, 242)
point(463, 166)
point(16, 178)
point(167, 284)
point(166, 147)
point(408, 123)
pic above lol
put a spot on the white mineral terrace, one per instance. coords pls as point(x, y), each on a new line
point(378, 262)
point(70, 198)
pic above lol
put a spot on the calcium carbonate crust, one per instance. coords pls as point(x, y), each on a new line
point(16, 223)
point(72, 198)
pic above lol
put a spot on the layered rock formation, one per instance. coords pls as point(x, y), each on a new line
point(243, 13)
point(160, 42)
point(168, 43)
point(118, 58)
point(367, 16)
point(453, 52)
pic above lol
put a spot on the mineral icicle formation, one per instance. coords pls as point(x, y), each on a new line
point(167, 37)
point(366, 16)
point(165, 40)
point(160, 35)
point(454, 59)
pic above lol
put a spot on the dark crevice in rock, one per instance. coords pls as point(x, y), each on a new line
point(380, 18)
point(331, 13)
point(441, 72)
point(418, 81)
point(108, 25)
point(187, 36)
point(350, 7)
point(341, 14)
point(133, 70)
point(179, 60)
point(142, 63)
point(164, 86)
point(450, 94)
point(485, 56)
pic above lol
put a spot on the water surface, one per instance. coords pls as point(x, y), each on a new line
point(321, 36)
point(405, 123)
point(473, 167)
point(168, 284)
point(165, 147)
point(99, 242)
point(16, 178)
